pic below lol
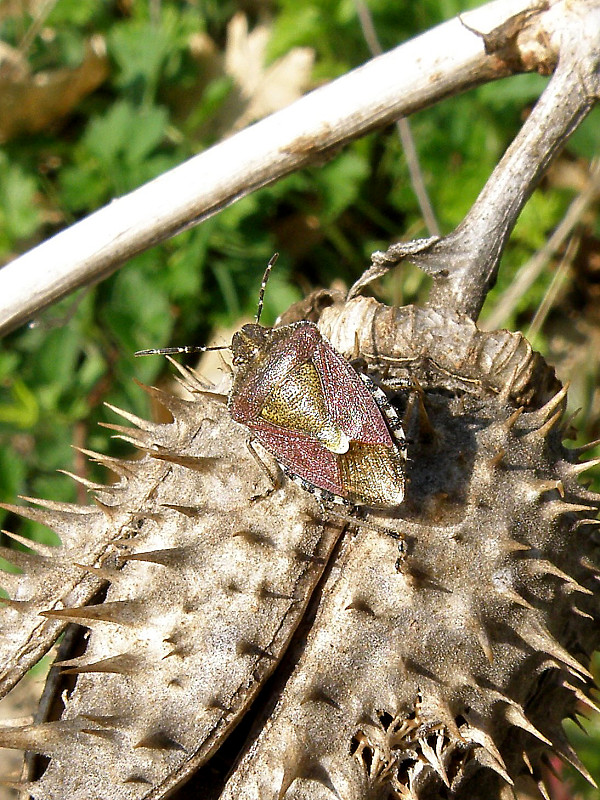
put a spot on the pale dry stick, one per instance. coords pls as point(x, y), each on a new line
point(403, 128)
point(444, 61)
point(529, 272)
point(155, 11)
point(556, 284)
point(41, 15)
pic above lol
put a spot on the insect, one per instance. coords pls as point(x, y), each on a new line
point(330, 427)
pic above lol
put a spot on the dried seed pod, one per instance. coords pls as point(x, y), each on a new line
point(447, 671)
point(205, 589)
point(455, 672)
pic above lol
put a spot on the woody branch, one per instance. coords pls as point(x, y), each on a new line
point(444, 61)
point(464, 264)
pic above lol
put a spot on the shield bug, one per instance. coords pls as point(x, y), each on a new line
point(330, 427)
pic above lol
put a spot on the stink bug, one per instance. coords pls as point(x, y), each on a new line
point(328, 425)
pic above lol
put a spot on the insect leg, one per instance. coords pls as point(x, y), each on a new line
point(274, 480)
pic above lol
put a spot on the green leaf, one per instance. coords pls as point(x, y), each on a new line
point(19, 213)
point(139, 313)
point(22, 410)
point(140, 49)
point(126, 133)
point(71, 13)
point(341, 182)
point(585, 142)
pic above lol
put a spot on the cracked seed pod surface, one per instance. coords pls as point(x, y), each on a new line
point(451, 674)
point(205, 588)
point(444, 674)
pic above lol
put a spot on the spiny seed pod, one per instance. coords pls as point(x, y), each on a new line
point(444, 674)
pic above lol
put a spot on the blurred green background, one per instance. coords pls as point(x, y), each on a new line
point(131, 89)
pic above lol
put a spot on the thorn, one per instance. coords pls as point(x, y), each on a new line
point(110, 512)
point(216, 397)
point(53, 519)
point(581, 696)
point(91, 485)
point(568, 422)
point(515, 715)
point(588, 563)
point(187, 511)
point(510, 594)
point(546, 410)
point(497, 458)
point(566, 752)
point(122, 468)
point(254, 537)
point(129, 436)
point(246, 648)
point(585, 448)
point(582, 466)
point(318, 695)
point(138, 779)
point(486, 760)
point(541, 486)
point(104, 573)
point(166, 557)
point(176, 406)
point(361, 606)
point(123, 664)
point(54, 505)
point(576, 721)
point(44, 550)
point(580, 612)
point(120, 612)
point(541, 566)
point(480, 737)
point(543, 789)
point(198, 463)
point(159, 741)
point(542, 432)
point(122, 429)
point(318, 772)
point(22, 560)
point(538, 638)
point(484, 642)
point(513, 546)
point(510, 423)
point(583, 493)
point(193, 383)
point(555, 508)
point(186, 372)
point(589, 521)
point(44, 737)
point(143, 424)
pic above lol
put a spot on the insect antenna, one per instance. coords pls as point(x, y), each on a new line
point(169, 351)
point(263, 286)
